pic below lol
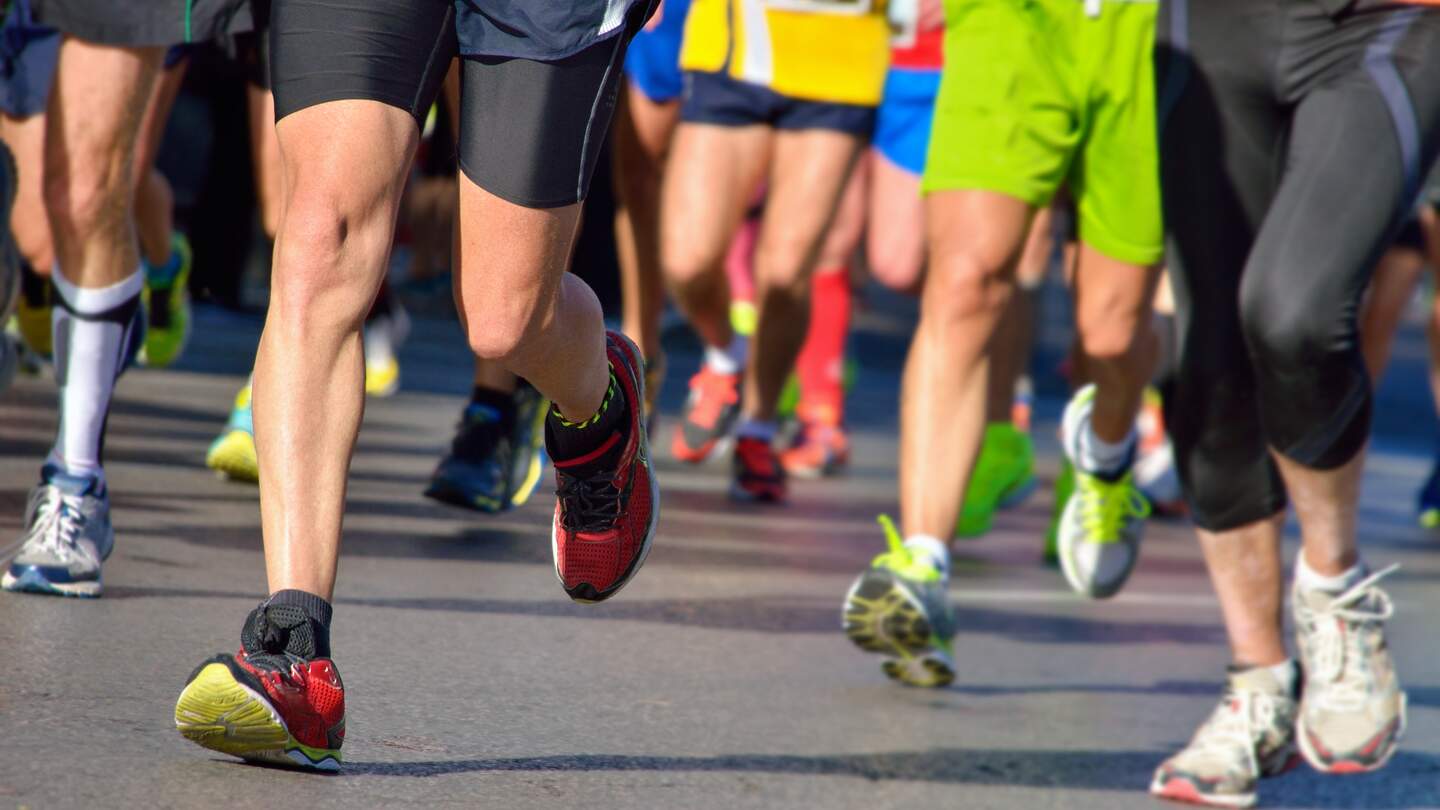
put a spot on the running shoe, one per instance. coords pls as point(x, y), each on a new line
point(67, 537)
point(1352, 715)
point(710, 413)
point(1155, 473)
point(1104, 519)
point(756, 473)
point(1004, 476)
point(270, 702)
point(490, 469)
point(899, 608)
point(166, 299)
point(1064, 487)
point(384, 335)
point(1429, 499)
point(232, 454)
point(605, 516)
point(820, 447)
point(1250, 735)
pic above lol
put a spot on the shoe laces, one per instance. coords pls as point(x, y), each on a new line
point(1106, 505)
point(710, 394)
point(899, 558)
point(1240, 721)
point(1343, 634)
point(588, 503)
point(60, 519)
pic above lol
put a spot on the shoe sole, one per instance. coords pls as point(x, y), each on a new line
point(882, 617)
point(1181, 789)
point(718, 446)
point(232, 463)
point(1352, 766)
point(447, 493)
point(217, 712)
point(739, 493)
point(30, 581)
point(627, 346)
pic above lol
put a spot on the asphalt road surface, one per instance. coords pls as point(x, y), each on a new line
point(719, 679)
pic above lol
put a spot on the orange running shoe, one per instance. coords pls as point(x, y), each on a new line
point(710, 413)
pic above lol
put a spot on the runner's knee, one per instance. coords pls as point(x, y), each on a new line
point(961, 287)
point(331, 253)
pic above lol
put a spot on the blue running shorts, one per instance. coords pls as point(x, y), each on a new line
point(653, 61)
point(902, 127)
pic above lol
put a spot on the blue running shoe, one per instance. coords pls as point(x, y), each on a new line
point(489, 468)
point(232, 454)
point(67, 536)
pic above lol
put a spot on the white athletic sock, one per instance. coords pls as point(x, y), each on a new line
point(930, 548)
point(1285, 674)
point(764, 429)
point(1312, 580)
point(1099, 457)
point(730, 359)
point(93, 329)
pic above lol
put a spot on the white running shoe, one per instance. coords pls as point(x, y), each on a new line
point(1248, 736)
point(1353, 712)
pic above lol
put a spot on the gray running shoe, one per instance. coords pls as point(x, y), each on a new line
point(67, 536)
point(1250, 735)
point(1101, 526)
point(899, 608)
point(1353, 712)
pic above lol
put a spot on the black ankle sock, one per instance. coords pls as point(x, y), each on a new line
point(566, 441)
point(290, 621)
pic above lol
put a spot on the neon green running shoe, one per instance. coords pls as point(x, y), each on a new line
point(1064, 486)
point(1004, 476)
point(1103, 521)
point(167, 306)
point(899, 608)
point(232, 454)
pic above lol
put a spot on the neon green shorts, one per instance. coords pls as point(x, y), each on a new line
point(1036, 95)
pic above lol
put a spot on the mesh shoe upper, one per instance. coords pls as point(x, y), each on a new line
point(68, 532)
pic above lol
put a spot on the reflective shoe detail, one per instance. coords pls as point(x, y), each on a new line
point(820, 448)
point(276, 701)
point(899, 608)
point(488, 470)
point(1103, 521)
point(605, 520)
point(167, 308)
point(67, 537)
point(710, 413)
point(1352, 715)
point(1004, 476)
point(756, 472)
point(1249, 735)
point(232, 454)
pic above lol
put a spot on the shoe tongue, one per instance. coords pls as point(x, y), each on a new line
point(277, 630)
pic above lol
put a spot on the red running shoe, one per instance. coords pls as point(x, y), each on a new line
point(262, 706)
point(710, 413)
point(758, 475)
point(605, 517)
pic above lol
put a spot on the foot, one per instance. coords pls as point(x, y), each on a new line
point(232, 454)
point(1104, 518)
point(270, 702)
point(1249, 735)
point(608, 502)
point(1429, 499)
point(383, 336)
point(67, 537)
point(1004, 476)
point(899, 609)
point(1353, 712)
point(167, 307)
point(820, 448)
point(710, 413)
point(489, 468)
point(756, 472)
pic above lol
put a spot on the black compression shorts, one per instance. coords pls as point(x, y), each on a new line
point(1294, 139)
point(531, 127)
